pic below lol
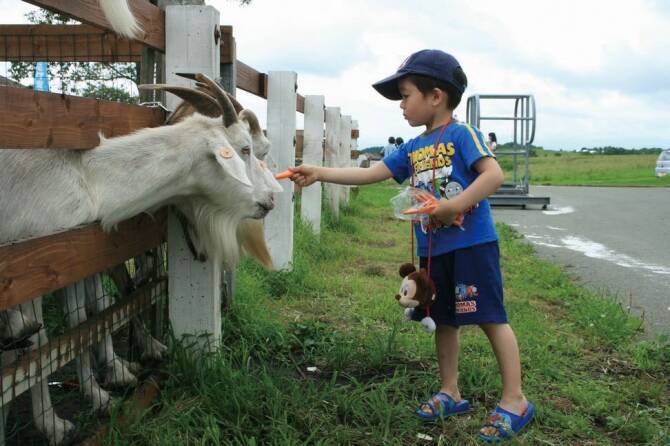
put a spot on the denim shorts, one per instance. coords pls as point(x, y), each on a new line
point(469, 287)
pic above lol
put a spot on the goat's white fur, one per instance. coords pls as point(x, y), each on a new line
point(119, 179)
point(120, 17)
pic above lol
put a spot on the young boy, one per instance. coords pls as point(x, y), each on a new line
point(451, 160)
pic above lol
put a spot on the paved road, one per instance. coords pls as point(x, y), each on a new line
point(614, 239)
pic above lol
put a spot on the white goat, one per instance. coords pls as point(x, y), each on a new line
point(121, 178)
point(250, 231)
point(250, 234)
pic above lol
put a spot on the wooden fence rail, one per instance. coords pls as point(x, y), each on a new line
point(42, 265)
point(31, 119)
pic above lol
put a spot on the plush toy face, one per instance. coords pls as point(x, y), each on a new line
point(407, 293)
point(416, 288)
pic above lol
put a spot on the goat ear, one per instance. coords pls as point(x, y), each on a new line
point(202, 102)
point(268, 177)
point(233, 165)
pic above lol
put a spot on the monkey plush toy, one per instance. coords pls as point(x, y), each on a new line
point(416, 290)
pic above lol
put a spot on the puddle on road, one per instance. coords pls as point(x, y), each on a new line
point(597, 251)
point(559, 210)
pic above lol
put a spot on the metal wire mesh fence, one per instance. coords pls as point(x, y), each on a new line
point(94, 340)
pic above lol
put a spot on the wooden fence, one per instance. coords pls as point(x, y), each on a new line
point(30, 119)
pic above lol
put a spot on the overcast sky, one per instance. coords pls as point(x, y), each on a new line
point(599, 70)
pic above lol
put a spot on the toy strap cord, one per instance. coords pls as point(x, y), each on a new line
point(429, 227)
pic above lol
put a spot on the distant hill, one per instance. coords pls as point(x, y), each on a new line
point(373, 149)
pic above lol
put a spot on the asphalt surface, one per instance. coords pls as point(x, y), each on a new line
point(615, 240)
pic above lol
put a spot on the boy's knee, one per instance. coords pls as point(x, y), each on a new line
point(447, 329)
point(491, 327)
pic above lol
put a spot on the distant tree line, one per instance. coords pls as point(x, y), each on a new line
point(372, 149)
point(611, 150)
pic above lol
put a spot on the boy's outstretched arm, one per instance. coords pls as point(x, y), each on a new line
point(489, 180)
point(305, 174)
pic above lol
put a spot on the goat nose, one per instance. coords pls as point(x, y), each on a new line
point(397, 297)
point(268, 205)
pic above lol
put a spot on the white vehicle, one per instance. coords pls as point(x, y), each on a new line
point(663, 164)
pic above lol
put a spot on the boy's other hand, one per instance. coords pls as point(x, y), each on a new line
point(304, 175)
point(445, 213)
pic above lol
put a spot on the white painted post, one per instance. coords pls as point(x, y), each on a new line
point(345, 152)
point(354, 141)
point(310, 207)
point(281, 133)
point(194, 287)
point(332, 153)
point(354, 146)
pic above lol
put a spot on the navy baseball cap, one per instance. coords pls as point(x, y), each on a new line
point(432, 63)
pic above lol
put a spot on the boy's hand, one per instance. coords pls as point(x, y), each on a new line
point(446, 214)
point(304, 175)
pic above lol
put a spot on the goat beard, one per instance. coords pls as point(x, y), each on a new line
point(251, 236)
point(216, 234)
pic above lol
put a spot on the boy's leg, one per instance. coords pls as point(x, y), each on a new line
point(447, 346)
point(505, 347)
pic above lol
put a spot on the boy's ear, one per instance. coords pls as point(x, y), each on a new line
point(440, 96)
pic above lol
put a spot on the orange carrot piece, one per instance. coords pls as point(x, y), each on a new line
point(283, 175)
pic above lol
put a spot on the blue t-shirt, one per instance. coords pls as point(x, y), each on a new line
point(460, 147)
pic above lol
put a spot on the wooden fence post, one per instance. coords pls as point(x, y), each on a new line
point(332, 151)
point(281, 133)
point(310, 207)
point(345, 152)
point(194, 287)
point(229, 70)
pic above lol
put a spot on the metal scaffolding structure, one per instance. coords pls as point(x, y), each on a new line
point(516, 192)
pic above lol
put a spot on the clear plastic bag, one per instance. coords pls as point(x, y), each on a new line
point(413, 204)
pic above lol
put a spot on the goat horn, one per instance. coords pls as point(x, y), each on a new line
point(229, 113)
point(252, 119)
point(238, 107)
point(202, 102)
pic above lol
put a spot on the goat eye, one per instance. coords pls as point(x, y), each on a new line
point(246, 150)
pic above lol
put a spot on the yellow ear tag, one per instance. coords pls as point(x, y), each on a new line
point(226, 152)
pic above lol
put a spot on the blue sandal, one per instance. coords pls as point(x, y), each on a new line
point(506, 423)
point(441, 406)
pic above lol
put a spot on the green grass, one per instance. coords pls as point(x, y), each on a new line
point(576, 169)
point(592, 382)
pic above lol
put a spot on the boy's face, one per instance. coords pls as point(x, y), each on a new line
point(417, 109)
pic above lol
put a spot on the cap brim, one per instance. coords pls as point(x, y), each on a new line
point(388, 87)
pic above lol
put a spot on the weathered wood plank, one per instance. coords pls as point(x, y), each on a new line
point(30, 119)
point(250, 80)
point(34, 267)
point(66, 43)
point(150, 18)
point(227, 44)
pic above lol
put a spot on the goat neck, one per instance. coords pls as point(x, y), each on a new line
point(154, 167)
